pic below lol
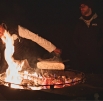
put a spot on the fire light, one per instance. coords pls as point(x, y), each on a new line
point(14, 77)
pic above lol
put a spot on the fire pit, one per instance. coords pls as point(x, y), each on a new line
point(46, 79)
point(20, 75)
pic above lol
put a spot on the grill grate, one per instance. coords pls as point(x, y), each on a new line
point(39, 86)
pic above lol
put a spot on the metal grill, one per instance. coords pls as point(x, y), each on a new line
point(27, 85)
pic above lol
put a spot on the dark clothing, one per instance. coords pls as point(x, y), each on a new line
point(88, 40)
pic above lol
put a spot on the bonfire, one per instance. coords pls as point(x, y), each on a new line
point(20, 75)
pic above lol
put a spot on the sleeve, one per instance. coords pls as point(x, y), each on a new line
point(25, 33)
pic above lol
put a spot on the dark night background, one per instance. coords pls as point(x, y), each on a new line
point(54, 20)
point(51, 19)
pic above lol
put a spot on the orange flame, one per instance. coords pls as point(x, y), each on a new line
point(16, 78)
point(14, 66)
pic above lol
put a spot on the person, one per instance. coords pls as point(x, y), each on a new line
point(24, 44)
point(88, 40)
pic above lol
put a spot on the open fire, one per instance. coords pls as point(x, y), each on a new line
point(19, 75)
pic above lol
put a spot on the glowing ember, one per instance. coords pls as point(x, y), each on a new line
point(16, 77)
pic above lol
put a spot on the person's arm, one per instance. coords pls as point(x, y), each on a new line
point(25, 33)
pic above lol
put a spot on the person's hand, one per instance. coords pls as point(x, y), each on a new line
point(57, 51)
point(2, 30)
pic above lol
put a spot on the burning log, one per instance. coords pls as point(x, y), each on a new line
point(53, 65)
